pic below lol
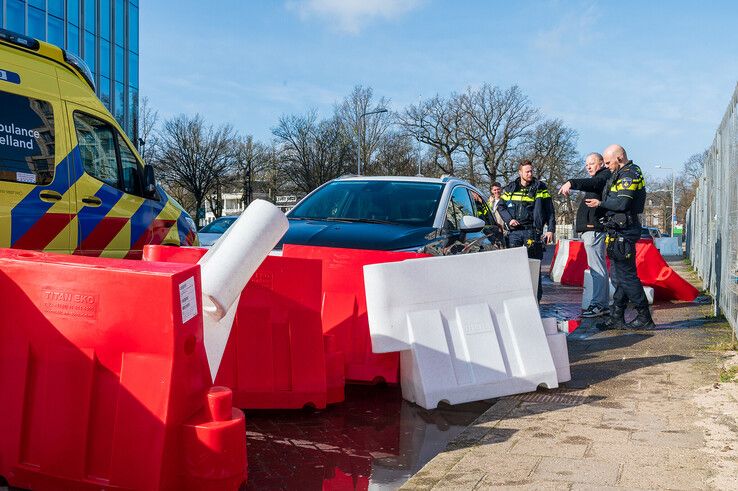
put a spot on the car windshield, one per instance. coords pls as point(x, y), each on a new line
point(218, 226)
point(397, 202)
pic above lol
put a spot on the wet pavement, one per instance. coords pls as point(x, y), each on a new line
point(373, 440)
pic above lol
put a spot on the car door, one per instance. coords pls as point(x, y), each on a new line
point(459, 205)
point(109, 202)
point(34, 179)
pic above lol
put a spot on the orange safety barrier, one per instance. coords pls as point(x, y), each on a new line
point(654, 271)
point(105, 381)
point(276, 356)
point(344, 308)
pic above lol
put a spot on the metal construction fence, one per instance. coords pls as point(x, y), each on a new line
point(712, 219)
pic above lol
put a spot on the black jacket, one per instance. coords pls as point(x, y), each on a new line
point(588, 219)
point(531, 206)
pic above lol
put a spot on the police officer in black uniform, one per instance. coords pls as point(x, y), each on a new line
point(623, 198)
point(525, 207)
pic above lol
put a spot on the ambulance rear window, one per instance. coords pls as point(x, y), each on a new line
point(26, 140)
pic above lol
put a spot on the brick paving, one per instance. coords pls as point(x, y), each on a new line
point(644, 410)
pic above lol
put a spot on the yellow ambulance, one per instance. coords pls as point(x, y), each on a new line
point(70, 180)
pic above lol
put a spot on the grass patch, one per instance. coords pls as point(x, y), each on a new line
point(729, 374)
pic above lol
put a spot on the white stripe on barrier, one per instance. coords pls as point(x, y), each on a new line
point(468, 326)
point(562, 256)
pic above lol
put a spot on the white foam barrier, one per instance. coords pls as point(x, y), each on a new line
point(558, 347)
point(668, 246)
point(228, 266)
point(535, 271)
point(562, 256)
point(589, 289)
point(468, 326)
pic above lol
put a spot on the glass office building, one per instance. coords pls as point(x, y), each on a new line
point(103, 32)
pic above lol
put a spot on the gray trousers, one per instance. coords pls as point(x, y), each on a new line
point(594, 245)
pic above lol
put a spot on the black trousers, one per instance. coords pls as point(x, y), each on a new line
point(628, 286)
point(518, 238)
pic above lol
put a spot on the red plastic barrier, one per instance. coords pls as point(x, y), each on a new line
point(276, 357)
point(654, 271)
point(556, 253)
point(573, 274)
point(344, 307)
point(104, 378)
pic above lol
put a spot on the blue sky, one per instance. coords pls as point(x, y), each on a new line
point(653, 76)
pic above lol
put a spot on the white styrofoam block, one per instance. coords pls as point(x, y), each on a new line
point(215, 333)
point(668, 246)
point(535, 270)
point(464, 334)
point(588, 289)
point(228, 266)
point(550, 326)
point(560, 355)
point(562, 256)
point(230, 262)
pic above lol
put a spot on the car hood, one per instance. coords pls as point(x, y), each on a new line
point(355, 235)
point(208, 239)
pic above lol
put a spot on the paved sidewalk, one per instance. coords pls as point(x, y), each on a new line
point(644, 410)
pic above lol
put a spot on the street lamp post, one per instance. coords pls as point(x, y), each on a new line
point(358, 136)
point(673, 195)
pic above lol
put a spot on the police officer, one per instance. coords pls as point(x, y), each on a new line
point(526, 207)
point(623, 199)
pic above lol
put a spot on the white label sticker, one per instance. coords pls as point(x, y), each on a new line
point(187, 299)
point(25, 177)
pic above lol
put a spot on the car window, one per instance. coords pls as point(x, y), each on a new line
point(97, 147)
point(397, 202)
point(218, 226)
point(131, 176)
point(26, 140)
point(459, 205)
point(481, 210)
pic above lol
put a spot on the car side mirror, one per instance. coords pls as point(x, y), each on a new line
point(470, 224)
point(149, 181)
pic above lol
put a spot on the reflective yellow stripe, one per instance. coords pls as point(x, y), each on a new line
point(634, 186)
point(543, 194)
point(521, 197)
point(505, 196)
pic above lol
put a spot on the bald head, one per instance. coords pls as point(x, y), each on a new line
point(615, 157)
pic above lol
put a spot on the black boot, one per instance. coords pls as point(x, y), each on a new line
point(643, 320)
point(616, 319)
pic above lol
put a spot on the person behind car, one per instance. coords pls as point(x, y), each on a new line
point(593, 232)
point(526, 208)
point(623, 198)
point(495, 198)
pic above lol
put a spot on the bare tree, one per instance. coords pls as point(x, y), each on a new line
point(365, 132)
point(253, 159)
point(396, 156)
point(695, 166)
point(311, 151)
point(148, 140)
point(194, 156)
point(499, 120)
point(552, 147)
point(437, 122)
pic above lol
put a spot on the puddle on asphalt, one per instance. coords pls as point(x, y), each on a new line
point(374, 440)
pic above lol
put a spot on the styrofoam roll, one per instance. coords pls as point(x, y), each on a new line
point(560, 355)
point(229, 264)
point(550, 326)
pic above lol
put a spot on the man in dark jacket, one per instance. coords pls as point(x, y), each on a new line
point(623, 199)
point(526, 207)
point(593, 232)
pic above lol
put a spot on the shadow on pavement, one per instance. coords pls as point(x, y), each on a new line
point(585, 374)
